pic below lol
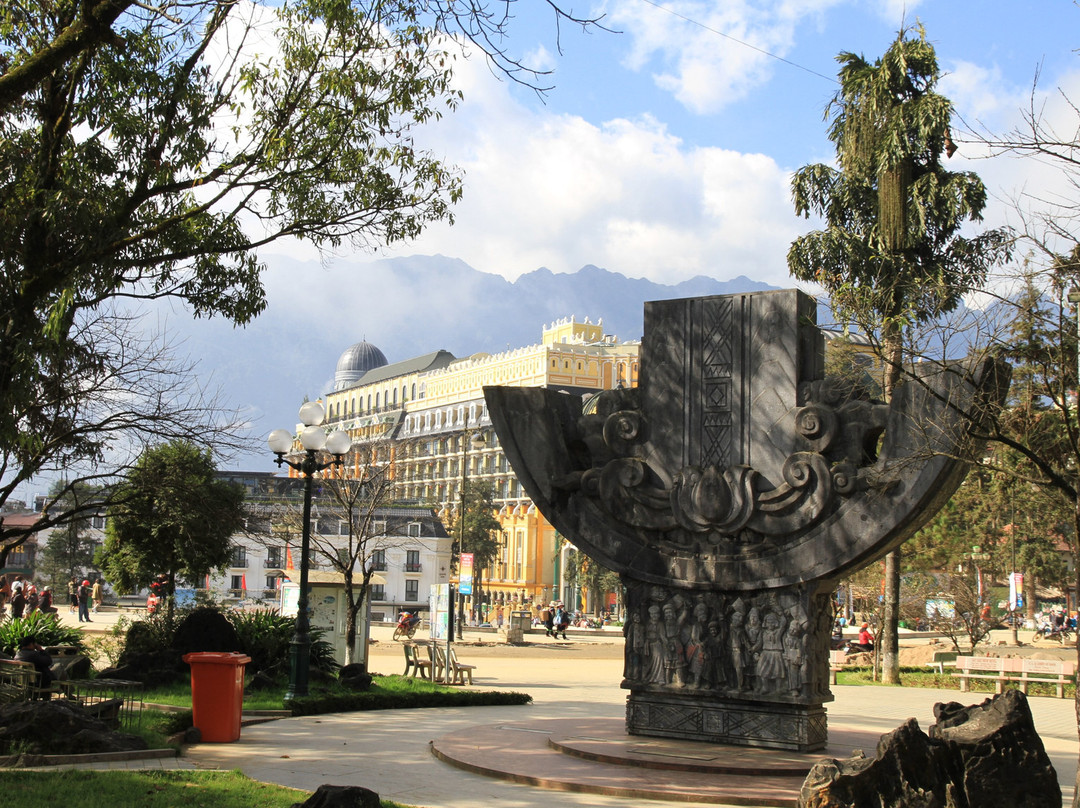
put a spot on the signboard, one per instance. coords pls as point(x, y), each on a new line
point(940, 609)
point(439, 610)
point(465, 573)
point(290, 599)
point(1016, 591)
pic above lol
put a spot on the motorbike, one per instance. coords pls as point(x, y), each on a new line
point(406, 626)
point(1062, 634)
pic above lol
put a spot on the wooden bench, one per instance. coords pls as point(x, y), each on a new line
point(1012, 669)
point(458, 671)
point(417, 660)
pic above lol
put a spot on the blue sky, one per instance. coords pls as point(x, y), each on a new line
point(665, 150)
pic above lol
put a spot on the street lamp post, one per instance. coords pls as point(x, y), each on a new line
point(314, 439)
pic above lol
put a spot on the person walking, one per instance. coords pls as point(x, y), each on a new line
point(84, 602)
point(18, 600)
point(97, 594)
point(73, 595)
point(548, 618)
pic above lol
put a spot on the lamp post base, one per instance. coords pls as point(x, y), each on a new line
point(299, 662)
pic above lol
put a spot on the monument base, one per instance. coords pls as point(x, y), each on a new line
point(742, 722)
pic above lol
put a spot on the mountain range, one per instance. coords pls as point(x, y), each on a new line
point(407, 307)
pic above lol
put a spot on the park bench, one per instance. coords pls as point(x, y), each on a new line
point(417, 660)
point(20, 681)
point(1011, 669)
point(941, 659)
point(448, 669)
point(837, 662)
point(458, 671)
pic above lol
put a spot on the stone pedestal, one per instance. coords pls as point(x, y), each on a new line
point(744, 722)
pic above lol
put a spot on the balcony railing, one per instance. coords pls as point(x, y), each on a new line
point(414, 567)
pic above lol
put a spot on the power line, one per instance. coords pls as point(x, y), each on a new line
point(740, 42)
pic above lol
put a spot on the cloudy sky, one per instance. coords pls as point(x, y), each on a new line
point(662, 151)
point(665, 150)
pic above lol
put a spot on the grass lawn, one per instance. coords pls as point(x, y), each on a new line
point(151, 789)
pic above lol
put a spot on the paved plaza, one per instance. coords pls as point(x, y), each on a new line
point(390, 751)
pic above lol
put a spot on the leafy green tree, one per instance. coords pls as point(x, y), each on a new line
point(171, 515)
point(147, 151)
point(891, 254)
point(69, 551)
point(592, 577)
point(476, 530)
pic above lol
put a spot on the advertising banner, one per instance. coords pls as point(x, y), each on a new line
point(1016, 591)
point(465, 574)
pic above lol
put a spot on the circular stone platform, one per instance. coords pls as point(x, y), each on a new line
point(597, 756)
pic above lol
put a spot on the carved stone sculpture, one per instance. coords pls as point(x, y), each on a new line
point(731, 490)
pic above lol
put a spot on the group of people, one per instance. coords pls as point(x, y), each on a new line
point(82, 595)
point(23, 597)
point(555, 619)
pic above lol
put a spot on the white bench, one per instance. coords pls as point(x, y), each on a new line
point(1012, 669)
point(837, 662)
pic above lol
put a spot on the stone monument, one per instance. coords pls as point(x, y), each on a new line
point(731, 490)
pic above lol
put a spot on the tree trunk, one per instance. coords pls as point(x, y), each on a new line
point(889, 636)
point(351, 610)
point(1076, 583)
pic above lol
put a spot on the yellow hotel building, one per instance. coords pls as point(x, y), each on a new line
point(422, 416)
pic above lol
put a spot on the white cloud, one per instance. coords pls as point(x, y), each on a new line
point(549, 189)
point(706, 54)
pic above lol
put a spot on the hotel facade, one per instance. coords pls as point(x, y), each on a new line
point(426, 418)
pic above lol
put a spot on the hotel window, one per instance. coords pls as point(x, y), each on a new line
point(412, 590)
point(239, 558)
point(378, 592)
point(412, 560)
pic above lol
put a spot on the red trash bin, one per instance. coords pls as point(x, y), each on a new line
point(217, 693)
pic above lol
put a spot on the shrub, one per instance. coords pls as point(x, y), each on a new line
point(265, 636)
point(45, 627)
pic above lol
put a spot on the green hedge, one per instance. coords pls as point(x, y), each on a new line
point(373, 700)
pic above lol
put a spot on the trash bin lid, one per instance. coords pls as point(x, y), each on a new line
point(217, 658)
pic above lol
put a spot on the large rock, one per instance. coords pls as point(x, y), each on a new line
point(58, 727)
point(1000, 753)
point(341, 797)
point(984, 756)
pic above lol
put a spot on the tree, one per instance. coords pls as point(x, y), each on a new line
point(171, 515)
point(69, 551)
point(891, 254)
point(90, 422)
point(475, 530)
point(148, 151)
point(358, 504)
point(590, 576)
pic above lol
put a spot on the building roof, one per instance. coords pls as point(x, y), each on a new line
point(429, 361)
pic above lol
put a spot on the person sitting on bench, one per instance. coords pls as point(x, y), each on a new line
point(30, 650)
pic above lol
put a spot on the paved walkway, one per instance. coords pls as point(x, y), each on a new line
point(390, 751)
